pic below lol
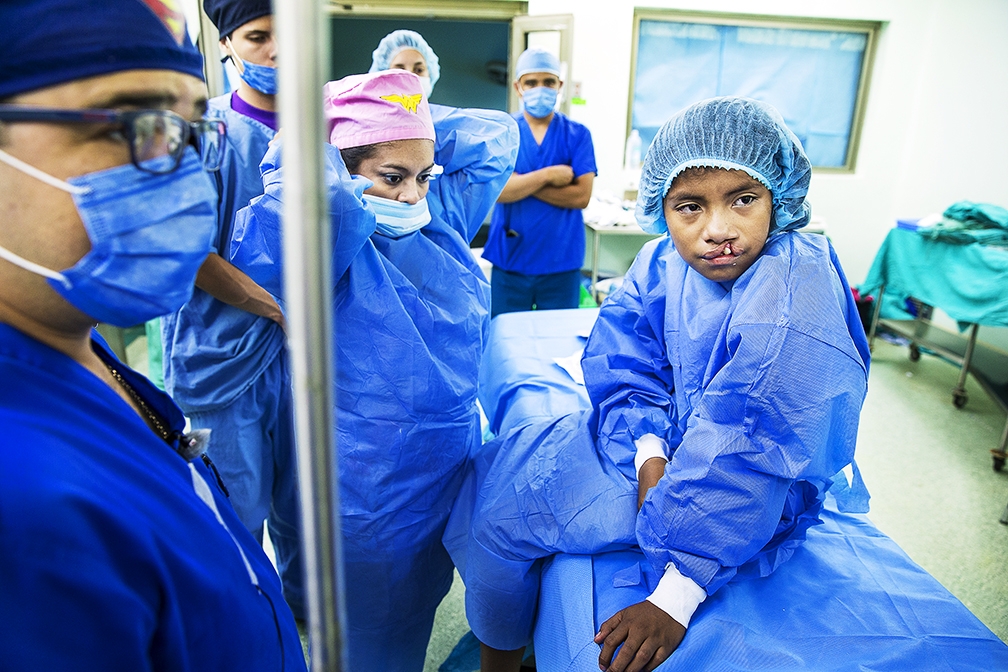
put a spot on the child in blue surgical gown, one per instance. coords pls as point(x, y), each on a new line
point(726, 378)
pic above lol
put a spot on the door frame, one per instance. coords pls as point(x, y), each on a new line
point(521, 26)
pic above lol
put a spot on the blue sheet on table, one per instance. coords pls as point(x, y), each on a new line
point(849, 599)
point(519, 382)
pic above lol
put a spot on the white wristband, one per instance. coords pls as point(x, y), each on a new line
point(677, 595)
point(649, 446)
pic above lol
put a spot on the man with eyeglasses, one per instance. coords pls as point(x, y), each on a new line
point(119, 549)
point(225, 359)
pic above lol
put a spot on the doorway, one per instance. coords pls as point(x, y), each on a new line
point(474, 70)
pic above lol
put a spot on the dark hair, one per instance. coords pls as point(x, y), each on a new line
point(354, 156)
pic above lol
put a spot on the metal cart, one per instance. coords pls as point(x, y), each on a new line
point(988, 365)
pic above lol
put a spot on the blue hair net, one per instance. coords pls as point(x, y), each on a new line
point(731, 133)
point(537, 60)
point(398, 40)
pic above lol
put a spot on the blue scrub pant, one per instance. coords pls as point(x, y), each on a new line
point(513, 292)
point(252, 446)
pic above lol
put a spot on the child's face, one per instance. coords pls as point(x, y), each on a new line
point(718, 220)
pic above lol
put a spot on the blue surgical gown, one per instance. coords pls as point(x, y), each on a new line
point(757, 388)
point(110, 559)
point(411, 318)
point(213, 351)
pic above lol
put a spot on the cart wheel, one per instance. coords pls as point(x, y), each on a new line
point(959, 400)
point(999, 463)
point(914, 352)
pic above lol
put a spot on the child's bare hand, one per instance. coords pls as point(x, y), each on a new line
point(648, 635)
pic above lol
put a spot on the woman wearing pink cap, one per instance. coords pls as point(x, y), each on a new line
point(409, 186)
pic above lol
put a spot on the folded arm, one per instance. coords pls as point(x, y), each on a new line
point(478, 150)
point(523, 185)
point(574, 196)
point(225, 282)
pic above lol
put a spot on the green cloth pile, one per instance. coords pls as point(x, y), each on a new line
point(966, 222)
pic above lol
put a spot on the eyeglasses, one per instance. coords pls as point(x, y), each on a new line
point(151, 134)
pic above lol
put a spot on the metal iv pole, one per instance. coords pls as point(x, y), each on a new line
point(302, 30)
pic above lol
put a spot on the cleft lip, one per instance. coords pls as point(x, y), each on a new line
point(728, 250)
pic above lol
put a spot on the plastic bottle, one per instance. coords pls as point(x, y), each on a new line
point(632, 155)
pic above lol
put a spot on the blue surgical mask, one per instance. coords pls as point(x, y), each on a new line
point(395, 219)
point(262, 78)
point(540, 102)
point(149, 235)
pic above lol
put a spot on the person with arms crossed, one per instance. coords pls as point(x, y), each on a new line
point(537, 240)
point(121, 550)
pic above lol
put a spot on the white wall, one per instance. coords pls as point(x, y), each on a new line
point(936, 124)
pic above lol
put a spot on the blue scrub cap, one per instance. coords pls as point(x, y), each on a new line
point(731, 133)
point(398, 40)
point(49, 42)
point(537, 60)
point(229, 15)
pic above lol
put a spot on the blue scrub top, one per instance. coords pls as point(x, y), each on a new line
point(544, 238)
point(111, 561)
point(212, 351)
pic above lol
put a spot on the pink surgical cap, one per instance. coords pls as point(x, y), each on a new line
point(376, 107)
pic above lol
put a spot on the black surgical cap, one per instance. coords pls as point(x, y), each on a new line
point(228, 15)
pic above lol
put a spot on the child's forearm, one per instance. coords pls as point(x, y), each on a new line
point(648, 476)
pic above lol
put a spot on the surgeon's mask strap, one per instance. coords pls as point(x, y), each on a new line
point(238, 61)
point(32, 171)
point(27, 169)
point(32, 267)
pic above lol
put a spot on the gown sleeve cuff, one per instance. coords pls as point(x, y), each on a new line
point(677, 595)
point(649, 446)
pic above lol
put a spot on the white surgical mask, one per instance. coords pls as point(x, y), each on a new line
point(396, 219)
point(428, 87)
